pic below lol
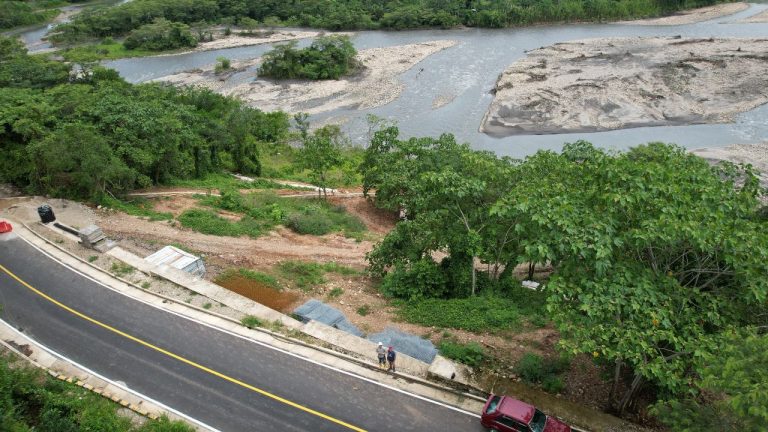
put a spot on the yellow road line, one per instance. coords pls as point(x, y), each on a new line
point(180, 358)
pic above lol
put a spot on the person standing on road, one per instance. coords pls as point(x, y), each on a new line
point(381, 352)
point(391, 359)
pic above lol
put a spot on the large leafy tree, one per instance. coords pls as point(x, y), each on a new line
point(734, 389)
point(445, 191)
point(655, 252)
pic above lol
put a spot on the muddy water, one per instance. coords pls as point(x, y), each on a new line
point(572, 413)
point(260, 293)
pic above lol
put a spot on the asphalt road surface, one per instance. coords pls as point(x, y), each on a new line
point(224, 381)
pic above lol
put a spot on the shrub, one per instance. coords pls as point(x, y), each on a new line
point(222, 64)
point(422, 279)
point(531, 368)
point(251, 321)
point(471, 354)
point(534, 369)
point(32, 400)
point(304, 223)
point(552, 384)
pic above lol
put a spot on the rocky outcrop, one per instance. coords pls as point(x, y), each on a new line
point(615, 83)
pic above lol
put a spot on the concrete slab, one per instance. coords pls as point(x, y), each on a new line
point(363, 347)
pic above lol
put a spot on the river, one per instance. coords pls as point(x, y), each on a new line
point(464, 75)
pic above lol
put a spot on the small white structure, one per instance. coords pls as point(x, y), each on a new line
point(530, 284)
point(179, 259)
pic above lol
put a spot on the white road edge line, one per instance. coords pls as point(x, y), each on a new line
point(116, 384)
point(387, 386)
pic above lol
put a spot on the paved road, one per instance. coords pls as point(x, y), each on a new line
point(228, 395)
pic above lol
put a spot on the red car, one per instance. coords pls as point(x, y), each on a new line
point(504, 414)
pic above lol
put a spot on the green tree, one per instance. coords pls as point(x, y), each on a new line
point(320, 153)
point(655, 254)
point(160, 35)
point(329, 57)
point(734, 389)
point(446, 192)
point(75, 161)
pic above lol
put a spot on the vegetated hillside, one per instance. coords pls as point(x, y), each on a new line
point(358, 14)
point(657, 259)
point(90, 134)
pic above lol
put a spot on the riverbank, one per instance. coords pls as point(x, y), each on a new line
point(692, 16)
point(762, 17)
point(375, 84)
point(604, 84)
point(754, 154)
point(261, 37)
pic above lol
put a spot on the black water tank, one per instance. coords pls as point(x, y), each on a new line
point(46, 213)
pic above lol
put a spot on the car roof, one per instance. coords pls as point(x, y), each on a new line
point(516, 409)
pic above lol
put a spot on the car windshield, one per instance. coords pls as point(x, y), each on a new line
point(538, 421)
point(493, 405)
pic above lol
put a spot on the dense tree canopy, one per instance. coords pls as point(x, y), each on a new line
point(159, 35)
point(359, 14)
point(99, 134)
point(656, 255)
point(328, 57)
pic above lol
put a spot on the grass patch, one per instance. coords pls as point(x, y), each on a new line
point(307, 275)
point(535, 369)
point(251, 321)
point(121, 269)
point(146, 285)
point(262, 278)
point(475, 314)
point(208, 222)
point(471, 354)
point(302, 274)
point(364, 310)
point(336, 292)
point(92, 258)
point(136, 207)
point(302, 215)
point(207, 306)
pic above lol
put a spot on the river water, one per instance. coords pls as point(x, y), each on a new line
point(466, 72)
